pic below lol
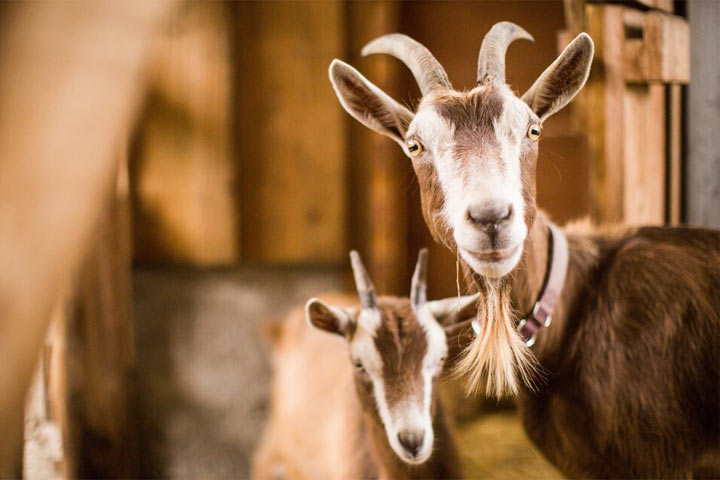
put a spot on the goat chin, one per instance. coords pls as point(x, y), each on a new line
point(497, 354)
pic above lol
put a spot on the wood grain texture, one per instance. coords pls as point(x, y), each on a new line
point(183, 163)
point(644, 150)
point(663, 52)
point(603, 102)
point(675, 156)
point(702, 195)
point(378, 172)
point(291, 133)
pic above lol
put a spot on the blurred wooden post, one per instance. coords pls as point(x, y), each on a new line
point(71, 75)
point(99, 358)
point(291, 135)
point(183, 165)
point(378, 226)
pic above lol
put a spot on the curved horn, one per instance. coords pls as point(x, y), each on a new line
point(425, 68)
point(418, 289)
point(491, 60)
point(365, 287)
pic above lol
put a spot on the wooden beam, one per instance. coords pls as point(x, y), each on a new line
point(69, 88)
point(702, 195)
point(291, 133)
point(675, 149)
point(184, 176)
point(644, 149)
point(377, 166)
point(99, 355)
point(602, 100)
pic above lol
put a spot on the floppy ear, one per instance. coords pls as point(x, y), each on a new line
point(368, 104)
point(455, 315)
point(562, 80)
point(325, 317)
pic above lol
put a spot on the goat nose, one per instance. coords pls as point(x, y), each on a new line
point(411, 440)
point(489, 215)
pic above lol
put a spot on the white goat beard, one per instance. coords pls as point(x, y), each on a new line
point(497, 354)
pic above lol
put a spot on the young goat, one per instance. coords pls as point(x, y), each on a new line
point(377, 415)
point(629, 381)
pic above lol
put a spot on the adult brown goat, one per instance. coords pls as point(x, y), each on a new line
point(625, 383)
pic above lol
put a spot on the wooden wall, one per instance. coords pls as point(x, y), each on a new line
point(245, 155)
point(703, 167)
point(183, 168)
point(290, 136)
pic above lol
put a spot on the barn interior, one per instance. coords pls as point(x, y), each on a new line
point(175, 177)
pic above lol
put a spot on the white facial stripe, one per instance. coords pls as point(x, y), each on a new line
point(411, 414)
point(482, 178)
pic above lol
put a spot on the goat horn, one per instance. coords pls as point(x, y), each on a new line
point(418, 290)
point(491, 60)
point(425, 68)
point(365, 287)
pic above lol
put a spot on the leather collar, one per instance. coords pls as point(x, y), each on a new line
point(541, 314)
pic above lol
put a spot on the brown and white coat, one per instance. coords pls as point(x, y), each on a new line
point(626, 381)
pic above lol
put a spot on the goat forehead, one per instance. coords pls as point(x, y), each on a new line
point(400, 339)
point(477, 110)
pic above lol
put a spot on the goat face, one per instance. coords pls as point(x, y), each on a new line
point(398, 348)
point(474, 152)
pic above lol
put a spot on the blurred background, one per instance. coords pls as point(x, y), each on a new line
point(175, 175)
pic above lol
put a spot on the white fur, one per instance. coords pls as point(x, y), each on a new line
point(479, 179)
point(413, 413)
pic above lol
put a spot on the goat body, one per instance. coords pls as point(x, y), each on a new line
point(632, 358)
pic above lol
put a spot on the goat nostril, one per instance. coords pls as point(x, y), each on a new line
point(411, 440)
point(489, 216)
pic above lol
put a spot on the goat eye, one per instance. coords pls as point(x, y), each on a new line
point(359, 367)
point(414, 147)
point(533, 132)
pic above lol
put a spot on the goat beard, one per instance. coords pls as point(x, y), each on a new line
point(497, 354)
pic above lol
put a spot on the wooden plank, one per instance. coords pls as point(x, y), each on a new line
point(291, 133)
point(666, 5)
point(100, 351)
point(702, 193)
point(644, 154)
point(663, 52)
point(71, 75)
point(602, 100)
point(184, 170)
point(675, 193)
point(377, 166)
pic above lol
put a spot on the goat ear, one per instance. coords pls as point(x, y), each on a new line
point(455, 315)
point(450, 311)
point(325, 317)
point(562, 80)
point(368, 104)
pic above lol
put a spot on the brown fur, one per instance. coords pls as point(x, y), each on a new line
point(631, 363)
point(323, 421)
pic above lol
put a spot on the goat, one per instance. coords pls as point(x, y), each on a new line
point(377, 416)
point(625, 383)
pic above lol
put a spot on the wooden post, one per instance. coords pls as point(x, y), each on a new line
point(291, 133)
point(702, 195)
point(71, 75)
point(637, 54)
point(99, 355)
point(602, 99)
point(377, 166)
